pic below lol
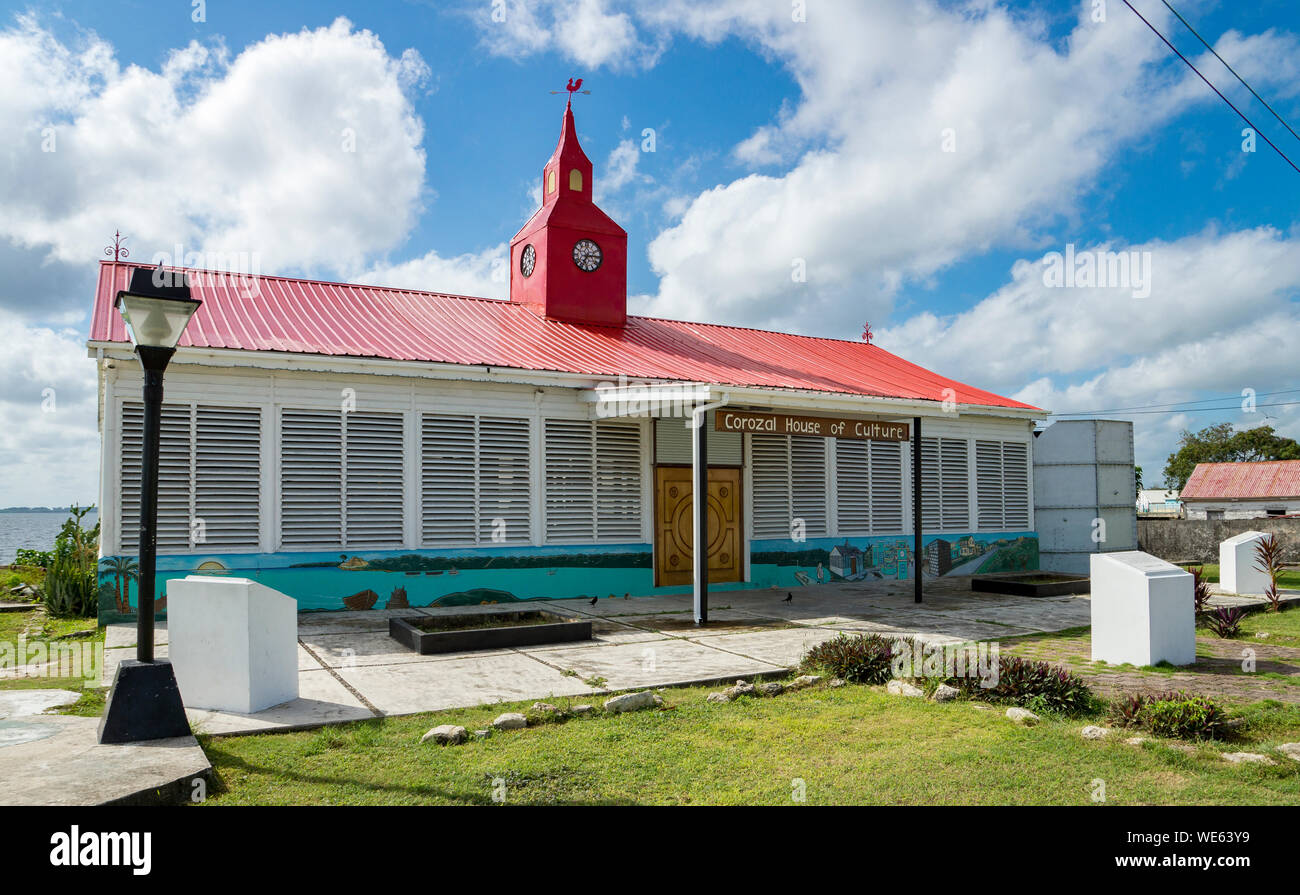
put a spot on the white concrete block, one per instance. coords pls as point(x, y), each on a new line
point(233, 643)
point(1237, 572)
point(1143, 610)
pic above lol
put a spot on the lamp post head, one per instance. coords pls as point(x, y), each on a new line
point(156, 307)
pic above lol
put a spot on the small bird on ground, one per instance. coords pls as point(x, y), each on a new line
point(789, 597)
point(593, 601)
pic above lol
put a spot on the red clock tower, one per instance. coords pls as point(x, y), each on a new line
point(569, 262)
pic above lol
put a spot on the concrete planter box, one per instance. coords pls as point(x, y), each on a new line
point(561, 630)
point(1033, 585)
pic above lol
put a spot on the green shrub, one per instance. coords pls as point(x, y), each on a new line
point(42, 558)
point(1183, 717)
point(13, 580)
point(860, 659)
point(1035, 685)
point(72, 577)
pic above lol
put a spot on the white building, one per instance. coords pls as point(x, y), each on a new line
point(1243, 490)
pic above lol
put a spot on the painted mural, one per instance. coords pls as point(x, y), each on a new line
point(787, 563)
point(403, 579)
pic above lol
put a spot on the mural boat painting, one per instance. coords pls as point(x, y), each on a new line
point(365, 599)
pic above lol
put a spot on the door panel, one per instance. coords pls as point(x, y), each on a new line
point(674, 526)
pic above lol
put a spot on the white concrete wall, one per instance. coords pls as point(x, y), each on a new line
point(1240, 509)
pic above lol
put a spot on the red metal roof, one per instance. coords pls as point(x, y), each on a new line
point(1263, 478)
point(266, 313)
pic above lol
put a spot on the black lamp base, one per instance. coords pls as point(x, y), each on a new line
point(144, 704)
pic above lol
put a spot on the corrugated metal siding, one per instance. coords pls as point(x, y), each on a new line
point(1265, 478)
point(339, 319)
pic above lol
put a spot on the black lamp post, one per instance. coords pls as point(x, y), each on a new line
point(145, 703)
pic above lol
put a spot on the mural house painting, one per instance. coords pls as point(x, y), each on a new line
point(362, 447)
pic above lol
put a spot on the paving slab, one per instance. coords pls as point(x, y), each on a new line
point(60, 762)
point(486, 677)
point(20, 703)
point(657, 663)
point(370, 648)
point(778, 649)
point(122, 634)
point(322, 700)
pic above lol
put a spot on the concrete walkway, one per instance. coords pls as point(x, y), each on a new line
point(56, 759)
point(350, 669)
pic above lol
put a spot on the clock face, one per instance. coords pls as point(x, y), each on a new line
point(528, 260)
point(586, 254)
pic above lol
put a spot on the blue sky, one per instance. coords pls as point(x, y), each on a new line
point(775, 139)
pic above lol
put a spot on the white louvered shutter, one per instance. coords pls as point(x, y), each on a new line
point(570, 481)
point(853, 486)
point(931, 477)
point(1015, 484)
point(311, 478)
point(175, 479)
point(504, 480)
point(988, 484)
point(128, 505)
point(374, 495)
point(618, 481)
point(227, 475)
point(447, 487)
point(955, 484)
point(808, 480)
point(770, 476)
point(886, 486)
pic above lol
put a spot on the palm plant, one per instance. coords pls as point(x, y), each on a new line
point(1200, 587)
point(1268, 559)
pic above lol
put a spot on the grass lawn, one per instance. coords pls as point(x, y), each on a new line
point(36, 627)
point(849, 746)
point(1283, 628)
point(1288, 580)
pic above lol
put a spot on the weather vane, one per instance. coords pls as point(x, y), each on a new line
point(117, 250)
point(573, 87)
point(867, 335)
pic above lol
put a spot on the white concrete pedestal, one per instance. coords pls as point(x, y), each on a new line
point(233, 643)
point(1143, 610)
point(1237, 572)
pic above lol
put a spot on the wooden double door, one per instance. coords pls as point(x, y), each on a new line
point(675, 526)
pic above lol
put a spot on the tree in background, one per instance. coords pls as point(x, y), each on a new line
point(1137, 477)
point(1221, 444)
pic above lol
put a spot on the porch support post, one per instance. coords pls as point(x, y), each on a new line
point(700, 528)
point(916, 508)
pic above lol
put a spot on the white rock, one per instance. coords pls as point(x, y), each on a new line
point(771, 688)
point(446, 734)
point(1247, 758)
point(510, 721)
point(581, 709)
point(1135, 741)
point(1093, 732)
point(838, 682)
point(1290, 750)
point(803, 680)
point(1023, 716)
point(946, 693)
point(717, 697)
point(630, 702)
point(544, 707)
point(903, 688)
point(1262, 634)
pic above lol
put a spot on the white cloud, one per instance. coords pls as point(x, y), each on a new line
point(225, 156)
point(586, 31)
point(482, 274)
point(49, 454)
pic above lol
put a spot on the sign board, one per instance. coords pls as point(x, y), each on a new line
point(824, 426)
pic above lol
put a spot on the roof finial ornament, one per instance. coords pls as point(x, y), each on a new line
point(867, 334)
point(117, 250)
point(574, 86)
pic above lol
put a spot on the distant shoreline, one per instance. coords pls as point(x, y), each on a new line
point(35, 509)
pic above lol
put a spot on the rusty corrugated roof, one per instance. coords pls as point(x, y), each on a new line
point(267, 313)
point(1227, 481)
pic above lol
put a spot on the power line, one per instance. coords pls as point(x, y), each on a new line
point(1241, 114)
point(1175, 404)
point(1234, 407)
point(1231, 69)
